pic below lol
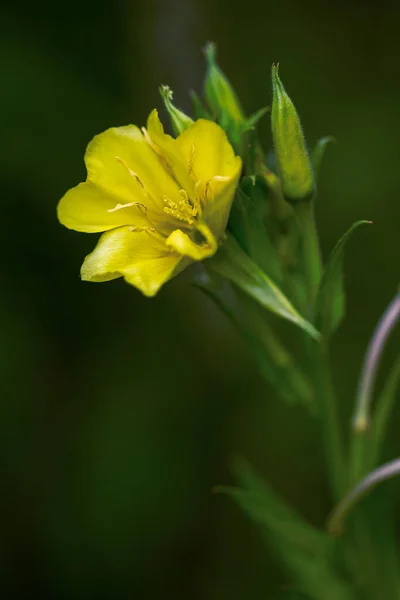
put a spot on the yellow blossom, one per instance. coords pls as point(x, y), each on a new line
point(162, 202)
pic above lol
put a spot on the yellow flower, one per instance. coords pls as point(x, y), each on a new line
point(162, 202)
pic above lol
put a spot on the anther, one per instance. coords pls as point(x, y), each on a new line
point(182, 210)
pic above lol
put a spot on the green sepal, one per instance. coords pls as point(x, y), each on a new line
point(233, 264)
point(224, 104)
point(318, 153)
point(330, 300)
point(218, 91)
point(179, 120)
point(306, 553)
point(274, 362)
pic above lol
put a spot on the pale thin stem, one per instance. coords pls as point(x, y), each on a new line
point(361, 418)
point(387, 471)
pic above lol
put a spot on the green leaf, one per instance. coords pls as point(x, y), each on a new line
point(306, 552)
point(268, 508)
point(330, 301)
point(382, 414)
point(252, 121)
point(318, 153)
point(249, 230)
point(199, 110)
point(273, 360)
point(234, 265)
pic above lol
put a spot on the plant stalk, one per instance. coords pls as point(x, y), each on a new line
point(312, 261)
point(319, 354)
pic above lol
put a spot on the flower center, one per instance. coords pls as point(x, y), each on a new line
point(181, 210)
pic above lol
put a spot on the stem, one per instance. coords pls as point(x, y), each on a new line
point(319, 354)
point(311, 251)
point(361, 418)
point(329, 421)
point(387, 471)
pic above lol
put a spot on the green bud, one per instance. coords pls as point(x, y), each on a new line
point(294, 165)
point(179, 120)
point(219, 93)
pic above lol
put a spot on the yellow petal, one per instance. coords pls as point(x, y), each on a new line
point(206, 148)
point(220, 194)
point(170, 153)
point(88, 208)
point(182, 244)
point(122, 163)
point(141, 257)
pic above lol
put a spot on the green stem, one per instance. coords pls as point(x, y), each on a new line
point(330, 427)
point(319, 355)
point(312, 262)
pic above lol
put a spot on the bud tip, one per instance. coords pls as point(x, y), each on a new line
point(210, 52)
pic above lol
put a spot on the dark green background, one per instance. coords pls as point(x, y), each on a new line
point(119, 413)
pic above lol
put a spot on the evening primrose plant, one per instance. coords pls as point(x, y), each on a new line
point(210, 194)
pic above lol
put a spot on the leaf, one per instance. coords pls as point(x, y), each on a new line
point(271, 510)
point(248, 228)
point(252, 121)
point(306, 552)
point(199, 110)
point(319, 152)
point(274, 363)
point(382, 413)
point(234, 265)
point(330, 301)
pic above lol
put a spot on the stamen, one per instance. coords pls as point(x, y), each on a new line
point(147, 229)
point(119, 206)
point(191, 158)
point(206, 188)
point(147, 137)
point(205, 194)
point(220, 178)
point(182, 210)
point(117, 158)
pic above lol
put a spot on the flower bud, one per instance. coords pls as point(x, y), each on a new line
point(179, 120)
point(219, 93)
point(294, 165)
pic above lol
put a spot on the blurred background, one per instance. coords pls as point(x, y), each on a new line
point(119, 414)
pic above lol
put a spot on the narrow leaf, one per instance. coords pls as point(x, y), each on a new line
point(273, 360)
point(269, 509)
point(252, 121)
point(306, 552)
point(330, 302)
point(318, 153)
point(249, 230)
point(199, 110)
point(234, 265)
